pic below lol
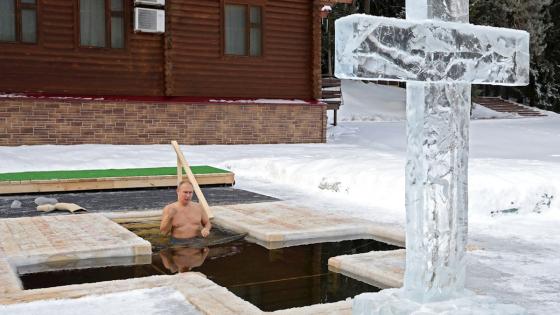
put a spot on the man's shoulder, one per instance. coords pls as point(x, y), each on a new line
point(170, 206)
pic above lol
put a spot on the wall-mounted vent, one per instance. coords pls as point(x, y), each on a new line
point(149, 20)
point(150, 2)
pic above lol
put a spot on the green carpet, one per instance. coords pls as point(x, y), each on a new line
point(154, 171)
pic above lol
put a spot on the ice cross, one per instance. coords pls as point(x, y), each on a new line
point(439, 60)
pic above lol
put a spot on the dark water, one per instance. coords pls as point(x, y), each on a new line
point(270, 279)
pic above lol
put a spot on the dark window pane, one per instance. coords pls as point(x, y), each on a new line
point(92, 23)
point(256, 31)
point(235, 23)
point(7, 21)
point(117, 33)
point(256, 45)
point(28, 26)
point(116, 5)
point(255, 15)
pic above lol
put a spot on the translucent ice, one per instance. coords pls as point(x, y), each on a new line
point(370, 47)
point(439, 60)
point(447, 10)
point(436, 189)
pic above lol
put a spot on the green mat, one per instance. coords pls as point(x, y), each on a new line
point(125, 172)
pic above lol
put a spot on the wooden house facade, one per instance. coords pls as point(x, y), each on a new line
point(223, 71)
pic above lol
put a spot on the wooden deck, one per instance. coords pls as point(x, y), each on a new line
point(33, 186)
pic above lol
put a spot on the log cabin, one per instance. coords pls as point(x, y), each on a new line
point(149, 71)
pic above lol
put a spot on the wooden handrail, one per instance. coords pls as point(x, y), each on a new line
point(182, 163)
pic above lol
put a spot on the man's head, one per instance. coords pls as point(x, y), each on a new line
point(184, 192)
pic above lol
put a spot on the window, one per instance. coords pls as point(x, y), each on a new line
point(243, 30)
point(102, 23)
point(18, 21)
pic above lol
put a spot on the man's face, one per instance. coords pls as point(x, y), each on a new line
point(185, 193)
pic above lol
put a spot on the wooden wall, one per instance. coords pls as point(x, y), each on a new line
point(57, 65)
point(200, 68)
point(192, 65)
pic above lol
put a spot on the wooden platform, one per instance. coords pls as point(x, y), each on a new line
point(57, 241)
point(282, 224)
point(103, 183)
point(331, 94)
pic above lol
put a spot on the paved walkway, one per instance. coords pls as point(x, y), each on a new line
point(54, 240)
point(281, 224)
point(31, 241)
point(381, 269)
point(204, 294)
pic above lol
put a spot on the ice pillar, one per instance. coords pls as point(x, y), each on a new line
point(436, 173)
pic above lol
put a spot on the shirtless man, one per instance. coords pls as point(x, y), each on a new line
point(184, 219)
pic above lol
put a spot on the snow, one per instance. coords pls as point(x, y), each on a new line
point(144, 301)
point(514, 163)
point(260, 101)
point(389, 102)
point(18, 95)
point(481, 112)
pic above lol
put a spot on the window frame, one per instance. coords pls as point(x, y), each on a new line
point(248, 25)
point(18, 7)
point(108, 15)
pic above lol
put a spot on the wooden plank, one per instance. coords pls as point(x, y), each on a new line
point(192, 179)
point(15, 187)
point(330, 94)
point(333, 106)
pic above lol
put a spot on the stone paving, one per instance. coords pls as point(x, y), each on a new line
point(281, 224)
point(204, 294)
point(385, 269)
point(25, 242)
point(57, 239)
point(381, 269)
point(9, 281)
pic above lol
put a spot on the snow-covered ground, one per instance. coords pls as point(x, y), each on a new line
point(514, 181)
point(140, 301)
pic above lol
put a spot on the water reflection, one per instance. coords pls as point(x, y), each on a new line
point(183, 259)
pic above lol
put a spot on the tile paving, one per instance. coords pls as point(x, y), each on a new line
point(280, 224)
point(384, 269)
point(56, 239)
point(204, 294)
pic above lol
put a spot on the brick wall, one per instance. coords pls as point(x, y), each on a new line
point(50, 121)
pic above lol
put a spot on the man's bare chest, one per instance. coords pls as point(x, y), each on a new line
point(186, 217)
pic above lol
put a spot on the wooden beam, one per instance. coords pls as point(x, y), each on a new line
point(192, 179)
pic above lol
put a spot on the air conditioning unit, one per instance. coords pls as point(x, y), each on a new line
point(150, 2)
point(149, 20)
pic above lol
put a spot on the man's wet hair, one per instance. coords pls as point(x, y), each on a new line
point(184, 181)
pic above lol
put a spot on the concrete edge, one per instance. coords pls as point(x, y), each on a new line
point(9, 280)
point(380, 279)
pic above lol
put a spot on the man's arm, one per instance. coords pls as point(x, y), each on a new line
point(166, 219)
point(206, 225)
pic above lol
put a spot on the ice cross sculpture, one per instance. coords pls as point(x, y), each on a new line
point(439, 60)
